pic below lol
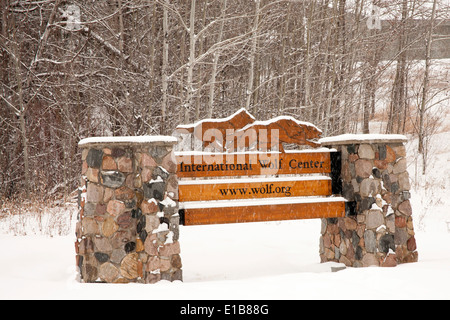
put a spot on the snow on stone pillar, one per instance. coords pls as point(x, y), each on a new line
point(374, 175)
point(128, 225)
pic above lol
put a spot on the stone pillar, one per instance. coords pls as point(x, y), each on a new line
point(128, 225)
point(380, 232)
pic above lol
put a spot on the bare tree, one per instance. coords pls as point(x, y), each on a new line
point(165, 63)
point(423, 105)
point(251, 70)
point(72, 69)
point(216, 61)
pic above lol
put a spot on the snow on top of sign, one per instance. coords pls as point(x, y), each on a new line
point(253, 180)
point(193, 125)
point(249, 152)
point(267, 122)
point(127, 139)
point(315, 150)
point(363, 138)
point(209, 153)
point(257, 202)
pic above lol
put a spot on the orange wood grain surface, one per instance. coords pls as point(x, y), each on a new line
point(241, 130)
point(270, 135)
point(232, 189)
point(275, 212)
point(248, 164)
point(208, 131)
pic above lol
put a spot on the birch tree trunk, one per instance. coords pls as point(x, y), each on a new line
point(251, 72)
point(422, 130)
point(307, 22)
point(165, 62)
point(151, 88)
point(190, 73)
point(398, 99)
point(212, 82)
point(23, 128)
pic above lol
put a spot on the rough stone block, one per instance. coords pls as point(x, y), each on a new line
point(374, 219)
point(154, 190)
point(363, 168)
point(94, 158)
point(108, 272)
point(109, 227)
point(370, 241)
point(370, 259)
point(386, 242)
point(115, 207)
point(112, 179)
point(131, 267)
point(94, 193)
point(125, 164)
point(109, 164)
point(365, 151)
point(400, 166)
point(405, 208)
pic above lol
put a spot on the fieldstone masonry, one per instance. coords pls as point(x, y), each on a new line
point(128, 226)
point(374, 175)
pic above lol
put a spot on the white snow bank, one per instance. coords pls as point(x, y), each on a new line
point(265, 260)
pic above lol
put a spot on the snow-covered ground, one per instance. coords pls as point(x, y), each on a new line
point(266, 260)
point(276, 260)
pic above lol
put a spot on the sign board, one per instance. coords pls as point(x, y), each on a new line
point(261, 181)
point(250, 164)
point(268, 210)
point(225, 189)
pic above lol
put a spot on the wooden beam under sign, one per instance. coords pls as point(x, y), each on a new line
point(271, 212)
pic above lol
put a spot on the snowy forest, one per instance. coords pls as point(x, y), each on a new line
point(75, 69)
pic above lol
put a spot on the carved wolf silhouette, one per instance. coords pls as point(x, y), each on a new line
point(271, 134)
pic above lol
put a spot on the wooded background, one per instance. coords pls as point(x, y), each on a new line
point(74, 69)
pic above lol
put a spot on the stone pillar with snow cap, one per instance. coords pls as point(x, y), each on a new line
point(374, 176)
point(128, 226)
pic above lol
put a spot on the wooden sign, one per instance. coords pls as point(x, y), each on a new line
point(252, 185)
point(250, 164)
point(225, 189)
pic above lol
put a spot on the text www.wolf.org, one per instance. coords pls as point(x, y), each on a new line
point(267, 189)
